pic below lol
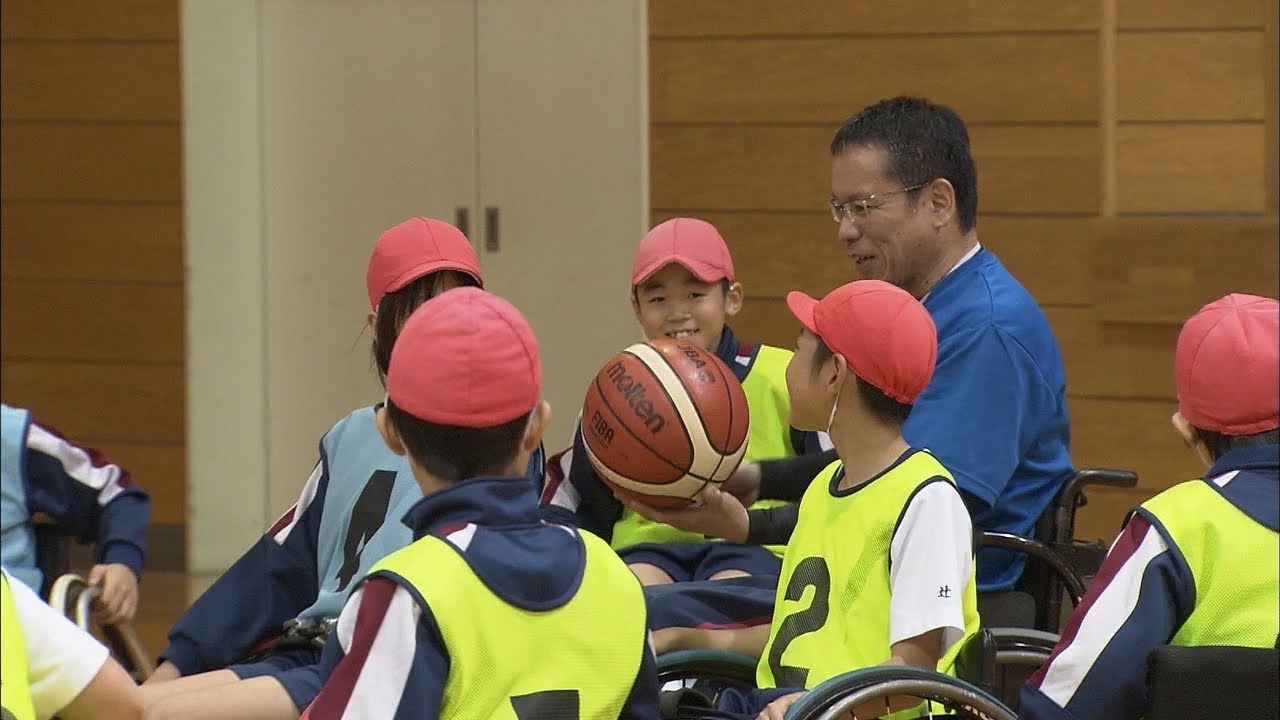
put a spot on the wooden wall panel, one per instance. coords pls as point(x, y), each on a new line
point(1191, 168)
point(90, 81)
point(767, 320)
point(772, 167)
point(1173, 14)
point(91, 241)
point(1113, 359)
point(99, 402)
point(73, 320)
point(1161, 270)
point(91, 252)
point(1029, 170)
point(1191, 76)
point(89, 20)
point(771, 80)
point(158, 469)
point(766, 18)
point(1032, 170)
point(105, 163)
point(1134, 434)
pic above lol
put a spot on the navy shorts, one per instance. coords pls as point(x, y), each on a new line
point(297, 670)
point(729, 603)
point(689, 562)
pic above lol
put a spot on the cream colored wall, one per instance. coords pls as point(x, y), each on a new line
point(315, 124)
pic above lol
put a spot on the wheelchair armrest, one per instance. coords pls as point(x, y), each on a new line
point(1039, 551)
point(853, 688)
point(709, 665)
point(1105, 477)
point(1023, 646)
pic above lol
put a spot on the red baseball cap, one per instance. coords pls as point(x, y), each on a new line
point(885, 335)
point(416, 247)
point(1227, 366)
point(694, 243)
point(465, 358)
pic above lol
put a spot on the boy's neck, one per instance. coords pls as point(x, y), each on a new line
point(430, 483)
point(866, 449)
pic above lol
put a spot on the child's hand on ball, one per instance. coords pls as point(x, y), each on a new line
point(714, 512)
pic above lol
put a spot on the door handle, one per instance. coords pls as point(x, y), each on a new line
point(491, 243)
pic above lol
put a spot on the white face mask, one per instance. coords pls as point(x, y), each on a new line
point(834, 406)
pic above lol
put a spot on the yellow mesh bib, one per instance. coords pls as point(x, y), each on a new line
point(15, 688)
point(1234, 560)
point(831, 614)
point(513, 664)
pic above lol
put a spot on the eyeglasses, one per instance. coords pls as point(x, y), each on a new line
point(855, 210)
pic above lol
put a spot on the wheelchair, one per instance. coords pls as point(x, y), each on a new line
point(70, 595)
point(1018, 634)
point(1186, 683)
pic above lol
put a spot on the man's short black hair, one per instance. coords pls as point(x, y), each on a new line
point(923, 142)
point(454, 453)
point(882, 407)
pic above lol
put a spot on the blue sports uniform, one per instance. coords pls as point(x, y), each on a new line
point(85, 494)
point(346, 519)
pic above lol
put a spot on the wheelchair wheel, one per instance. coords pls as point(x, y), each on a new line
point(833, 698)
point(707, 665)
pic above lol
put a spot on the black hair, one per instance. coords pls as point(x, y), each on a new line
point(454, 453)
point(923, 142)
point(395, 308)
point(1219, 444)
point(881, 406)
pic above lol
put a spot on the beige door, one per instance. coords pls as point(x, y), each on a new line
point(311, 126)
point(369, 117)
point(562, 127)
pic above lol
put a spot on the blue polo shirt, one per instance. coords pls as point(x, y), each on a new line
point(995, 412)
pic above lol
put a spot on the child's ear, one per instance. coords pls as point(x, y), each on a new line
point(1192, 438)
point(635, 303)
point(839, 371)
point(538, 422)
point(369, 321)
point(733, 300)
point(387, 432)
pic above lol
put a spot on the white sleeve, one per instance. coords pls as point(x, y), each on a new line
point(930, 565)
point(62, 659)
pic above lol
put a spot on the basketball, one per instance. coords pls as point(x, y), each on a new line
point(662, 419)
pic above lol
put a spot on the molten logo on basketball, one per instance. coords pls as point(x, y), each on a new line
point(634, 392)
point(601, 428)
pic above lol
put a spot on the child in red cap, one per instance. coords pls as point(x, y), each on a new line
point(1198, 564)
point(277, 603)
point(490, 612)
point(879, 569)
point(683, 287)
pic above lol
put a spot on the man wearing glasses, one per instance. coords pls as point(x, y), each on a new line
point(904, 194)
